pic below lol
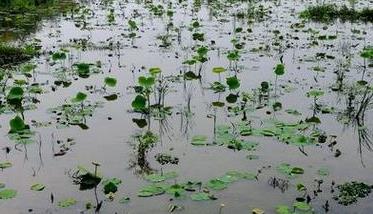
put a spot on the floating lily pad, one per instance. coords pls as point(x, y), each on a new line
point(110, 81)
point(68, 202)
point(216, 184)
point(37, 187)
point(200, 196)
point(199, 140)
point(6, 164)
point(151, 190)
point(8, 193)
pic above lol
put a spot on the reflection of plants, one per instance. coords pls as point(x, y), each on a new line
point(358, 101)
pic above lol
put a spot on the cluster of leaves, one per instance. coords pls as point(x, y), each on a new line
point(201, 192)
point(290, 171)
point(330, 12)
point(297, 133)
point(166, 159)
point(298, 207)
point(350, 192)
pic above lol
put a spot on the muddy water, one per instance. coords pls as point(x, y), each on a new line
point(108, 142)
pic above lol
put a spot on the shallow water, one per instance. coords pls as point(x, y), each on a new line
point(108, 142)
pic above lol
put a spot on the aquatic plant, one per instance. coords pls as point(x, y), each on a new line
point(331, 12)
point(350, 192)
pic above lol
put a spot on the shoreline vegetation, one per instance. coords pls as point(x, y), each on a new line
point(11, 55)
point(332, 12)
point(19, 18)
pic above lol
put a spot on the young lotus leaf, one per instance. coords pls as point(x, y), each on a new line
point(132, 24)
point(231, 98)
point(233, 55)
point(279, 69)
point(59, 56)
point(124, 200)
point(217, 87)
point(277, 106)
point(116, 181)
point(110, 81)
point(199, 140)
point(264, 86)
point(111, 97)
point(297, 170)
point(68, 202)
point(216, 184)
point(313, 120)
point(289, 170)
point(302, 207)
point(152, 190)
point(315, 93)
point(83, 70)
point(228, 178)
point(257, 211)
point(79, 97)
point(139, 102)
point(242, 175)
point(37, 187)
point(233, 82)
point(218, 104)
point(218, 70)
point(283, 209)
point(367, 53)
point(155, 71)
point(323, 171)
point(141, 123)
point(176, 190)
point(17, 124)
point(293, 112)
point(8, 193)
point(146, 82)
point(190, 75)
point(6, 164)
point(110, 187)
point(200, 196)
point(15, 94)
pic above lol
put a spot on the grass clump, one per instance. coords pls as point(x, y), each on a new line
point(331, 12)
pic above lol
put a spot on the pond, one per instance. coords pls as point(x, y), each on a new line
point(186, 106)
